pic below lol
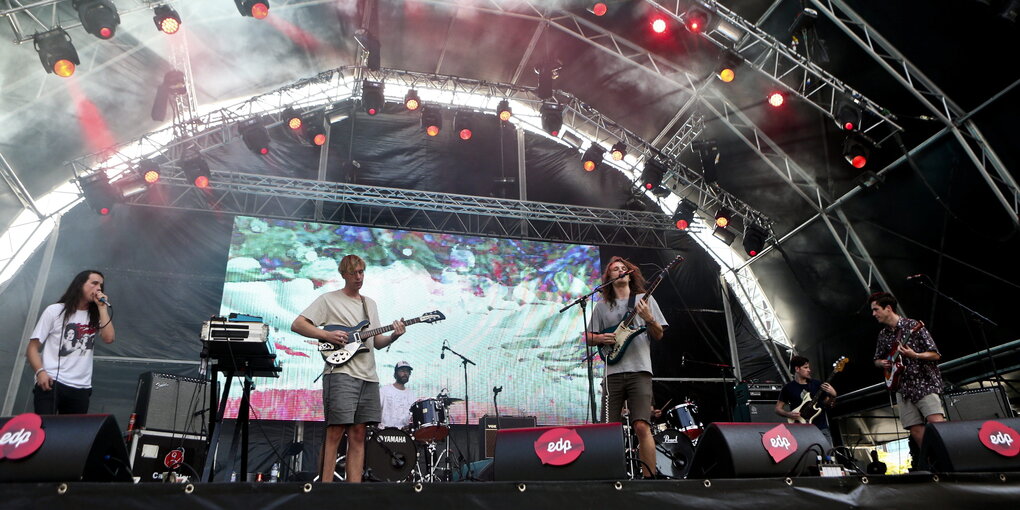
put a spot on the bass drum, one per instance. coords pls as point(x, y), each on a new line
point(673, 453)
point(390, 455)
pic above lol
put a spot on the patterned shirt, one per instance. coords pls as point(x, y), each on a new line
point(920, 377)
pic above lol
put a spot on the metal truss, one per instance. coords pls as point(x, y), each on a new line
point(289, 198)
point(813, 85)
point(1002, 183)
point(35, 14)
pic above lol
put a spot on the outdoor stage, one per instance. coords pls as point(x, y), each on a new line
point(987, 490)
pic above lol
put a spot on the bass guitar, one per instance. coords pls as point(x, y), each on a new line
point(895, 370)
point(339, 354)
point(625, 330)
point(810, 407)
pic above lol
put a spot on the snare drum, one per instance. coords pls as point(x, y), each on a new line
point(428, 418)
point(390, 455)
point(684, 418)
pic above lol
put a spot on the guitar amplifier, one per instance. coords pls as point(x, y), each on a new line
point(977, 404)
point(171, 402)
point(764, 391)
point(489, 428)
point(763, 411)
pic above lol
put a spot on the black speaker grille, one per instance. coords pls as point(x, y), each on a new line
point(171, 403)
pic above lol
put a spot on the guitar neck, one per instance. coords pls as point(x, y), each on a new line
point(385, 329)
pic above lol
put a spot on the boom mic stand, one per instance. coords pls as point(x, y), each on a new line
point(467, 402)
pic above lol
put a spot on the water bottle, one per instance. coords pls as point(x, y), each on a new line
point(233, 476)
point(274, 473)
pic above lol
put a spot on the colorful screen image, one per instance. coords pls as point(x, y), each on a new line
point(501, 299)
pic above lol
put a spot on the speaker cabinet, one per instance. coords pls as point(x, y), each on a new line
point(489, 425)
point(149, 450)
point(735, 450)
point(955, 446)
point(763, 411)
point(977, 404)
point(517, 454)
point(171, 403)
point(77, 447)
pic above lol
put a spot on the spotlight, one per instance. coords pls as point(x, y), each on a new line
point(618, 151)
point(431, 120)
point(547, 72)
point(552, 118)
point(592, 157)
point(727, 69)
point(313, 126)
point(411, 100)
point(776, 99)
point(599, 9)
point(99, 194)
point(723, 217)
point(855, 152)
point(197, 171)
point(463, 125)
point(661, 191)
point(372, 96)
point(130, 185)
point(725, 235)
point(848, 116)
point(658, 25)
point(371, 46)
point(651, 175)
point(167, 20)
point(684, 215)
point(56, 52)
point(257, 9)
point(292, 119)
point(697, 20)
point(98, 17)
point(255, 137)
point(708, 151)
point(503, 110)
point(754, 239)
point(149, 170)
point(173, 85)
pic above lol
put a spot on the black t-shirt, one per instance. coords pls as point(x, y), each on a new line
point(793, 393)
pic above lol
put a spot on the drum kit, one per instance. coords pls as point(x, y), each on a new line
point(675, 439)
point(417, 454)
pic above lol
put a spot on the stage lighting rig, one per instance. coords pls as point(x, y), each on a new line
point(197, 171)
point(149, 170)
point(552, 118)
point(255, 137)
point(411, 100)
point(848, 115)
point(167, 19)
point(723, 217)
point(503, 111)
point(652, 174)
point(98, 17)
point(463, 125)
point(257, 9)
point(618, 151)
point(99, 194)
point(431, 120)
point(592, 157)
point(855, 152)
point(372, 96)
point(548, 72)
point(56, 52)
point(754, 239)
point(684, 215)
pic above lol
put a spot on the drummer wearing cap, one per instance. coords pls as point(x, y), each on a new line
point(397, 399)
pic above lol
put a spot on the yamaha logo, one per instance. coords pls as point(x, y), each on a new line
point(393, 439)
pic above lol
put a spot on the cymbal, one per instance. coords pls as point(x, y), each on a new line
point(450, 400)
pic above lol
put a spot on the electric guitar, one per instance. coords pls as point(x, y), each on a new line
point(339, 354)
point(809, 408)
point(895, 370)
point(625, 330)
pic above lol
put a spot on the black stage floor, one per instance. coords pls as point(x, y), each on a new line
point(988, 491)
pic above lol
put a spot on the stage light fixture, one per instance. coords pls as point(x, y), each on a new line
point(727, 69)
point(463, 124)
point(167, 20)
point(257, 9)
point(599, 9)
point(173, 85)
point(292, 119)
point(503, 111)
point(552, 118)
point(372, 96)
point(592, 157)
point(197, 171)
point(56, 52)
point(696, 20)
point(99, 194)
point(855, 152)
point(725, 235)
point(411, 100)
point(149, 170)
point(661, 191)
point(313, 126)
point(548, 73)
point(98, 17)
point(431, 120)
point(255, 137)
point(723, 217)
point(754, 239)
point(659, 25)
point(776, 99)
point(684, 215)
point(708, 152)
point(370, 44)
point(618, 151)
point(651, 174)
point(848, 116)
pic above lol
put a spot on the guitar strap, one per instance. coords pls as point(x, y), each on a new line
point(630, 306)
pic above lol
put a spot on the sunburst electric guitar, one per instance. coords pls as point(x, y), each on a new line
point(626, 331)
point(810, 407)
point(340, 354)
point(895, 370)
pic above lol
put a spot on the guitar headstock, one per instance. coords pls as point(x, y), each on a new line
point(433, 316)
point(838, 366)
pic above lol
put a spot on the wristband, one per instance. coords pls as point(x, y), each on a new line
point(37, 371)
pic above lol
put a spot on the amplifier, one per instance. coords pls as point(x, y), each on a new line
point(763, 411)
point(977, 404)
point(171, 403)
point(489, 427)
point(152, 452)
point(764, 391)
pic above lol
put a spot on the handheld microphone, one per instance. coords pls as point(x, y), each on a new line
point(442, 353)
point(105, 302)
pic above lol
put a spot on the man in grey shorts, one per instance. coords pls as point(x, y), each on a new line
point(630, 379)
point(350, 392)
point(918, 397)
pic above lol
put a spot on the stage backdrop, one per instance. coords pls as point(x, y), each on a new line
point(501, 299)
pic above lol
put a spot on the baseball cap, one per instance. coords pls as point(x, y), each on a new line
point(402, 364)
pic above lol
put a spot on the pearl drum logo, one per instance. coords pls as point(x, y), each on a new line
point(21, 436)
point(999, 438)
point(559, 447)
point(779, 442)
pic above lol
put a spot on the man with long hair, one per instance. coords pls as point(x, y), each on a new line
point(350, 392)
point(60, 349)
point(630, 379)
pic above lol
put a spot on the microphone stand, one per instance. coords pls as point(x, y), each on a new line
point(467, 403)
point(722, 375)
point(589, 352)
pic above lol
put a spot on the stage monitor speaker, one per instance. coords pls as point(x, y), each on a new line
point(489, 426)
point(171, 403)
point(763, 411)
point(977, 404)
point(600, 454)
point(735, 450)
point(149, 451)
point(76, 447)
point(955, 446)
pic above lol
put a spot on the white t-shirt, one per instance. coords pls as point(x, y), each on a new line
point(396, 406)
point(337, 308)
point(66, 348)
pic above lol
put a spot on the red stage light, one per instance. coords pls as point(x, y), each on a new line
point(682, 224)
point(319, 139)
point(599, 9)
point(259, 11)
point(202, 182)
point(372, 111)
point(432, 130)
point(104, 210)
point(105, 33)
point(465, 134)
point(151, 176)
point(589, 165)
point(63, 68)
point(727, 75)
point(722, 221)
point(264, 150)
point(849, 126)
point(659, 25)
point(776, 99)
point(294, 123)
point(412, 104)
point(859, 161)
